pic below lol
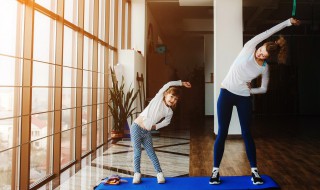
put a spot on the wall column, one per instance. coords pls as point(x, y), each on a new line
point(138, 23)
point(228, 41)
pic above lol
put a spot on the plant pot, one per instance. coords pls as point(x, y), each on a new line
point(116, 134)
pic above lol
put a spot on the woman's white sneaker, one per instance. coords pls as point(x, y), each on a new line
point(136, 178)
point(256, 178)
point(160, 178)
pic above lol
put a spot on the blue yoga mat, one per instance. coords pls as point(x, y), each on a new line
point(192, 183)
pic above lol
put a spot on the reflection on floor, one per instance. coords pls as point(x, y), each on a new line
point(172, 149)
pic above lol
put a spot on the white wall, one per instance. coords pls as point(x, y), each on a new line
point(228, 41)
point(132, 62)
point(138, 29)
point(208, 69)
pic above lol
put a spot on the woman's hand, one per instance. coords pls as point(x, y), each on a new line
point(186, 84)
point(249, 85)
point(295, 22)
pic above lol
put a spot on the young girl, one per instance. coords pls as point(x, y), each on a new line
point(236, 90)
point(159, 107)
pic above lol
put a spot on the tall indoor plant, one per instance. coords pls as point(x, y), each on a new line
point(120, 105)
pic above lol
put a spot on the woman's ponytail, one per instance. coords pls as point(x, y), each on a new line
point(282, 55)
point(277, 50)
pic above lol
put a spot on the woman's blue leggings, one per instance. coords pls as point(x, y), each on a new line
point(226, 101)
point(142, 136)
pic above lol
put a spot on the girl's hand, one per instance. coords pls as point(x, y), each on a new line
point(295, 22)
point(186, 84)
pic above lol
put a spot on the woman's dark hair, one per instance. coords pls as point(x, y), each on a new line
point(277, 50)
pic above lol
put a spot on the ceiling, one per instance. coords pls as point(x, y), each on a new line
point(180, 18)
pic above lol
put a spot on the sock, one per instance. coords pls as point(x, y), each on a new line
point(254, 169)
point(215, 168)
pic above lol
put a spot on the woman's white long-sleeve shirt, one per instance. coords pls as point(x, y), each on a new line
point(157, 109)
point(245, 68)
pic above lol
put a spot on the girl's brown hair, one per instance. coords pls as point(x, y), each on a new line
point(277, 50)
point(175, 91)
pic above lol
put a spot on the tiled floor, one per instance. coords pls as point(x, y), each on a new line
point(172, 149)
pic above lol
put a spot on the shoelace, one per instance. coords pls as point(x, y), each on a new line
point(256, 174)
point(215, 173)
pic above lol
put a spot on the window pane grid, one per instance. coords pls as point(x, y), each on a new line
point(43, 79)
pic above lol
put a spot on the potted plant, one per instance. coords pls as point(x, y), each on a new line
point(120, 105)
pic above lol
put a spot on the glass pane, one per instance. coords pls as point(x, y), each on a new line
point(87, 96)
point(111, 23)
point(48, 4)
point(69, 77)
point(8, 158)
point(100, 96)
point(69, 47)
point(9, 133)
point(101, 58)
point(68, 119)
point(40, 159)
point(87, 79)
point(71, 11)
point(41, 125)
point(87, 53)
point(86, 114)
point(99, 132)
point(42, 99)
point(100, 111)
point(44, 38)
point(86, 138)
point(111, 60)
point(101, 80)
point(88, 15)
point(102, 20)
point(68, 98)
point(11, 33)
point(43, 74)
point(10, 71)
point(67, 147)
point(10, 102)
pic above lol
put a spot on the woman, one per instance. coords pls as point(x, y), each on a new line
point(236, 90)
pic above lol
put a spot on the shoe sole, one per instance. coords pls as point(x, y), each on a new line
point(214, 183)
point(256, 183)
point(161, 182)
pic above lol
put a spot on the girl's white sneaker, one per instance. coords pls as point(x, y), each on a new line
point(136, 178)
point(160, 178)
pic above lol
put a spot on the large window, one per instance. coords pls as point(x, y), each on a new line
point(54, 61)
